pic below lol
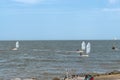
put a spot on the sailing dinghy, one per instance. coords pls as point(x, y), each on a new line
point(16, 46)
point(85, 49)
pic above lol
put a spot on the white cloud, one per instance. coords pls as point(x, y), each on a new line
point(28, 1)
point(113, 1)
point(113, 6)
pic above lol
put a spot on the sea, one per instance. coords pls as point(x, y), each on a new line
point(46, 59)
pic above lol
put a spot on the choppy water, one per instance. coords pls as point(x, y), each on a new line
point(48, 59)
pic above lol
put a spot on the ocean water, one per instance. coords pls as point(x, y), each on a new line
point(52, 58)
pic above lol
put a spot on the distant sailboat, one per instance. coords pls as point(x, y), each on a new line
point(114, 47)
point(114, 38)
point(83, 46)
point(16, 46)
point(85, 49)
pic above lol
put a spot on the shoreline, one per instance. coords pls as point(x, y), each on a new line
point(108, 77)
point(114, 75)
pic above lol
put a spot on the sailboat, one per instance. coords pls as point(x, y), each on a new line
point(85, 49)
point(16, 46)
point(114, 47)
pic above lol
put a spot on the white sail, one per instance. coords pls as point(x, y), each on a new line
point(88, 47)
point(17, 44)
point(115, 38)
point(83, 45)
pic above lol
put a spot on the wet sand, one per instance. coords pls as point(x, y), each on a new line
point(108, 77)
point(114, 75)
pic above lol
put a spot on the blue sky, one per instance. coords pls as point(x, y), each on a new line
point(59, 19)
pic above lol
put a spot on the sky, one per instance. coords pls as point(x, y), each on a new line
point(59, 19)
